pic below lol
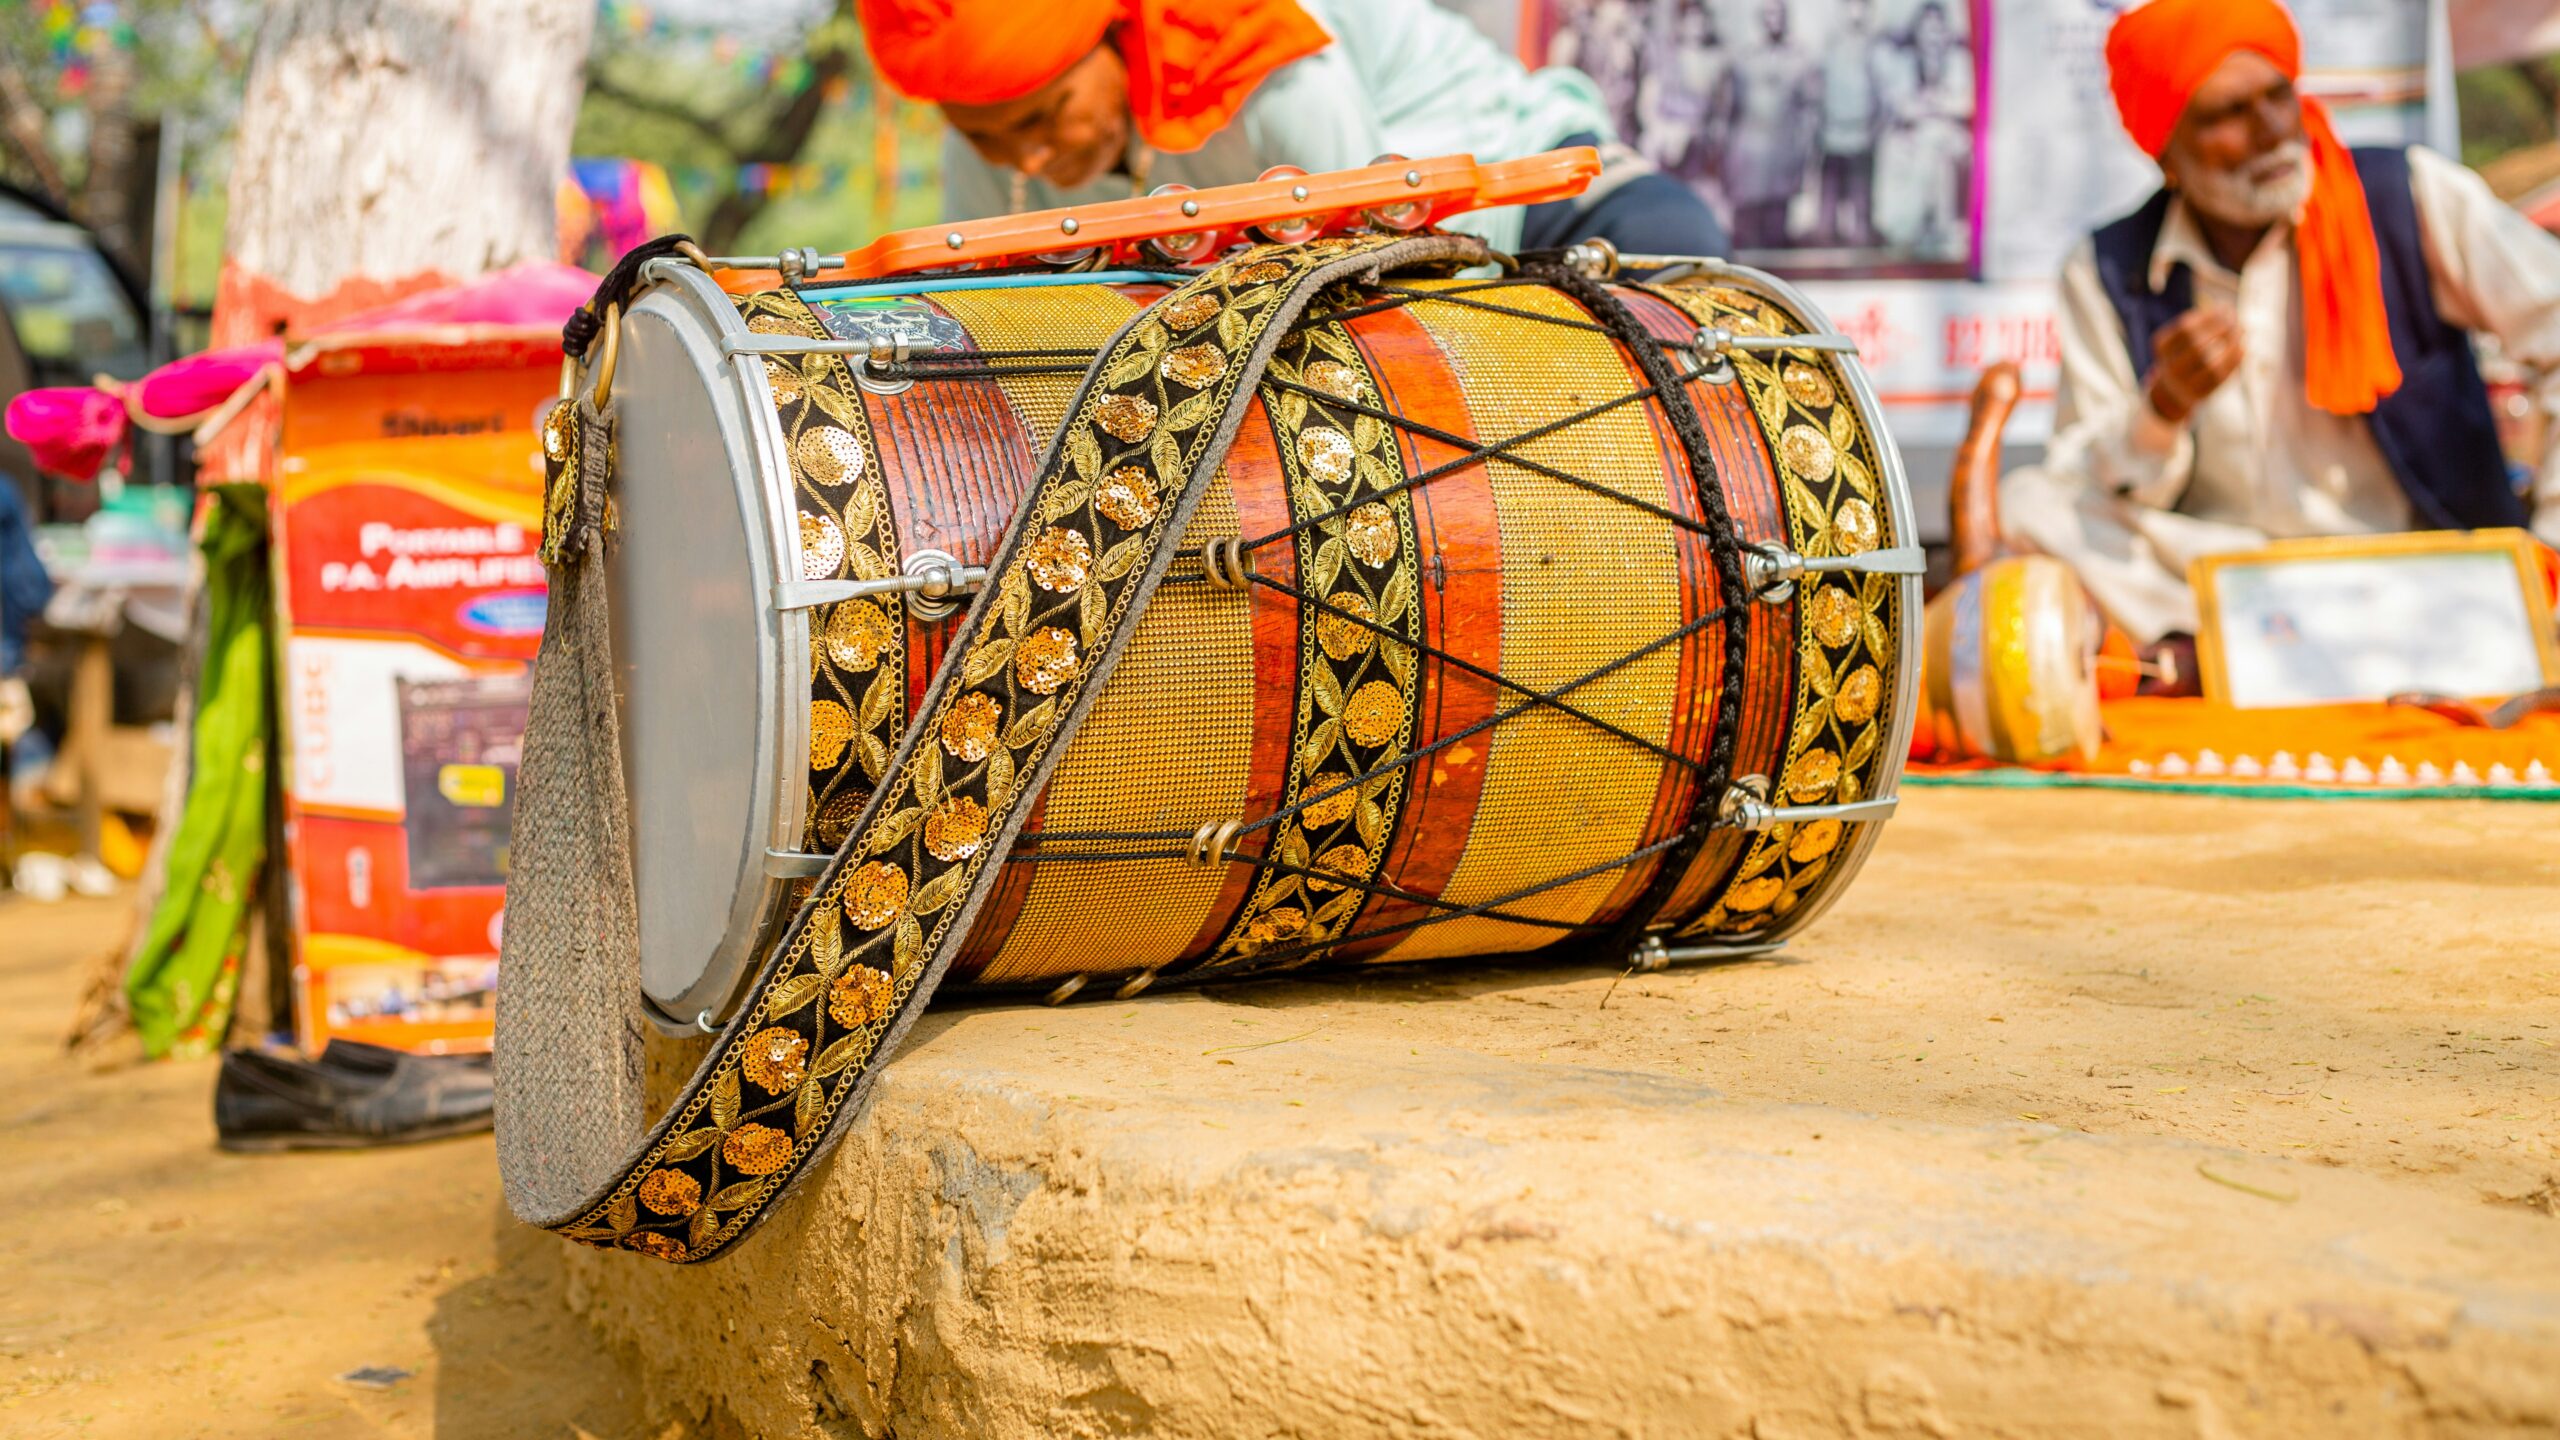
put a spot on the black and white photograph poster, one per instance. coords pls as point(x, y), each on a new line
point(1836, 135)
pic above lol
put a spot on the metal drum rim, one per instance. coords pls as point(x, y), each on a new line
point(680, 295)
point(1897, 489)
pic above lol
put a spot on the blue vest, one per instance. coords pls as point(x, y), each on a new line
point(2436, 430)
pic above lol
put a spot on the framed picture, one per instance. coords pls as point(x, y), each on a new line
point(2340, 620)
point(1832, 137)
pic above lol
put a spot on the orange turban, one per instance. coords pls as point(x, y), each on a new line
point(1191, 65)
point(2157, 54)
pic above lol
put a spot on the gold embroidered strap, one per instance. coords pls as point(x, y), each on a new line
point(1094, 537)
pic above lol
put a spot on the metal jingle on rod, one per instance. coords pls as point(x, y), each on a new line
point(1707, 353)
point(1654, 954)
point(1403, 217)
point(1650, 955)
point(931, 581)
point(1136, 984)
point(1295, 228)
point(1721, 954)
point(1715, 342)
point(1065, 991)
point(873, 373)
point(797, 265)
point(1746, 806)
point(1186, 247)
point(1400, 215)
point(940, 580)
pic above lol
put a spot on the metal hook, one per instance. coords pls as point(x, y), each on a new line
point(612, 355)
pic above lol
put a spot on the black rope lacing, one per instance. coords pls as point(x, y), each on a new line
point(1271, 959)
point(1424, 752)
point(1666, 387)
point(1724, 547)
point(1536, 696)
point(1283, 867)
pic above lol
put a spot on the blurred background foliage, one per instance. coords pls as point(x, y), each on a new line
point(764, 115)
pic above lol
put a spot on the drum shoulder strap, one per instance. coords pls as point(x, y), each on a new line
point(1155, 417)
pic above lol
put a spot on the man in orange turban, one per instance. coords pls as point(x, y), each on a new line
point(2278, 343)
point(1066, 102)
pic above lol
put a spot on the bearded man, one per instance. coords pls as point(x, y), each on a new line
point(2279, 343)
point(1071, 102)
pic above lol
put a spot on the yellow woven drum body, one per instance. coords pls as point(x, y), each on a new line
point(1585, 581)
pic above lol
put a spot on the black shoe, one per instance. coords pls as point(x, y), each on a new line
point(354, 1095)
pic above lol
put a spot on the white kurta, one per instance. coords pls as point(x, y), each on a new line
point(1401, 76)
point(2129, 499)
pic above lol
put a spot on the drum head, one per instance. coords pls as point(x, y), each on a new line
point(697, 645)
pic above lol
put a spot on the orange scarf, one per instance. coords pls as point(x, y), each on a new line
point(2157, 54)
point(1191, 65)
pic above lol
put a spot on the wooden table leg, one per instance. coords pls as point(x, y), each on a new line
point(92, 709)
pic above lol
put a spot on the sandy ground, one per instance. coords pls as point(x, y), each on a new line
point(2368, 987)
point(158, 1287)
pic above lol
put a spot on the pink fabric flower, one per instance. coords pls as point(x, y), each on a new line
point(71, 431)
point(198, 383)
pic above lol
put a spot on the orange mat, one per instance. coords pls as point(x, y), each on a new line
point(2374, 750)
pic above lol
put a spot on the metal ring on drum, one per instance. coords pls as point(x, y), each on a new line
point(780, 517)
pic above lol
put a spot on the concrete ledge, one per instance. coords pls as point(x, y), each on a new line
point(1473, 1203)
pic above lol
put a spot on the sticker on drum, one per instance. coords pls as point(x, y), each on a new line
point(896, 320)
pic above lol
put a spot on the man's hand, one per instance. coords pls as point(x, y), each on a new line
point(2190, 360)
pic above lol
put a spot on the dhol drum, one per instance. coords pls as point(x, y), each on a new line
point(1350, 600)
point(1473, 658)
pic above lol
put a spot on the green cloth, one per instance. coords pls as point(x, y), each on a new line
point(187, 971)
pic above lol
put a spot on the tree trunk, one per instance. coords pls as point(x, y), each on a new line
point(388, 147)
point(22, 124)
point(391, 146)
point(105, 195)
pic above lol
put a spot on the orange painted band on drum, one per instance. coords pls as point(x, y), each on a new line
point(1462, 614)
point(1253, 472)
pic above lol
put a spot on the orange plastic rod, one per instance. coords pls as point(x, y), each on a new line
point(1446, 186)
